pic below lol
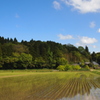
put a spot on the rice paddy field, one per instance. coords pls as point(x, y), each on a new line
point(49, 85)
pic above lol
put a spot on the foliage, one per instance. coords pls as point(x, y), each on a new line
point(25, 59)
point(76, 67)
point(86, 67)
point(61, 67)
point(39, 62)
point(40, 54)
point(68, 67)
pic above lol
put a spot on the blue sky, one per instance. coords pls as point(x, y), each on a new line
point(65, 21)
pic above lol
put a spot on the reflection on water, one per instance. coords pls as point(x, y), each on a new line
point(52, 86)
point(83, 88)
point(94, 95)
point(79, 87)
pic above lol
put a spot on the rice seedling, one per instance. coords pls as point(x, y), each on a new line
point(49, 86)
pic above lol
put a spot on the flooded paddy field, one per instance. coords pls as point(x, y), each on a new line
point(51, 86)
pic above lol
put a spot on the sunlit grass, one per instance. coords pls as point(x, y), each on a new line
point(22, 72)
point(46, 85)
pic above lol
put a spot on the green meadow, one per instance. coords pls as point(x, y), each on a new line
point(49, 85)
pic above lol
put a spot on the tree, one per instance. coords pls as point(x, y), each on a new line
point(93, 56)
point(98, 57)
point(50, 58)
point(2, 40)
point(11, 40)
point(9, 62)
point(44, 54)
point(15, 40)
point(1, 62)
point(7, 49)
point(76, 56)
point(81, 49)
point(25, 59)
point(62, 61)
point(19, 48)
point(87, 50)
point(39, 62)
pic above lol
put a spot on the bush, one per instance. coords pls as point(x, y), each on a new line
point(86, 67)
point(68, 67)
point(76, 67)
point(64, 67)
point(61, 68)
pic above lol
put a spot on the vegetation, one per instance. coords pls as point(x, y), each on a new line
point(39, 54)
point(68, 67)
point(28, 85)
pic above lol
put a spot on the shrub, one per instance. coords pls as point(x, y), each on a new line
point(86, 67)
point(76, 67)
point(64, 67)
point(68, 67)
point(61, 68)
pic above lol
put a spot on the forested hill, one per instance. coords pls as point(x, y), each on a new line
point(39, 54)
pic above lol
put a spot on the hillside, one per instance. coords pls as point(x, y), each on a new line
point(40, 54)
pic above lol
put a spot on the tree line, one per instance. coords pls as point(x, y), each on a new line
point(40, 54)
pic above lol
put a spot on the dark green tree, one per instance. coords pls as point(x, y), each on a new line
point(93, 56)
point(25, 59)
point(87, 50)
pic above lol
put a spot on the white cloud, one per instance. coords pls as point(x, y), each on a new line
point(99, 30)
point(87, 40)
point(17, 16)
point(92, 24)
point(56, 5)
point(84, 6)
point(65, 37)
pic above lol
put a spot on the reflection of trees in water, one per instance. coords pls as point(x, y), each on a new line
point(69, 88)
point(81, 85)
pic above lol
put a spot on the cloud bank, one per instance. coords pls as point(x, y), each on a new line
point(84, 6)
point(83, 41)
point(87, 40)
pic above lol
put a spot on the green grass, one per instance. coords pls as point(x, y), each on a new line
point(22, 72)
point(32, 85)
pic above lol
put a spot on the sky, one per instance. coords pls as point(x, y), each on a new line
point(75, 22)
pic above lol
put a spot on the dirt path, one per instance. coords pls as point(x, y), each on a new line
point(15, 75)
point(6, 76)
